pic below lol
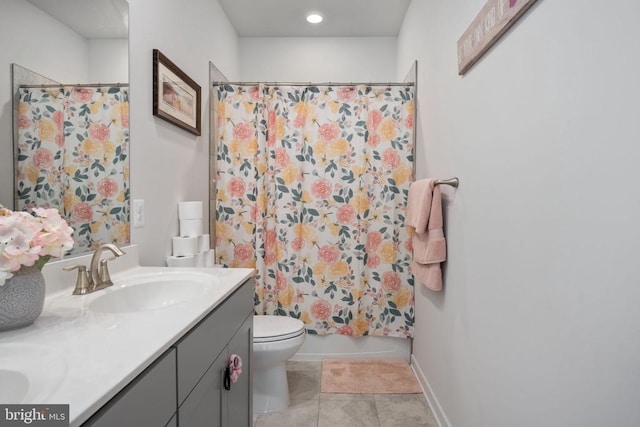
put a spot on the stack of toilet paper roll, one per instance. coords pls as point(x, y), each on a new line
point(191, 248)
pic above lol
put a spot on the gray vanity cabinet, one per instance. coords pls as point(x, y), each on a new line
point(203, 356)
point(185, 386)
point(209, 403)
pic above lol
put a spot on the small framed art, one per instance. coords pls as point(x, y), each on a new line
point(176, 97)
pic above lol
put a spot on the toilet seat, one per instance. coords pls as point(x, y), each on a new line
point(267, 328)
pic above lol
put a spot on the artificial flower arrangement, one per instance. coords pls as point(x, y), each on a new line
point(27, 240)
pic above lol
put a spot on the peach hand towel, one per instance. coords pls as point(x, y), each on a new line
point(429, 245)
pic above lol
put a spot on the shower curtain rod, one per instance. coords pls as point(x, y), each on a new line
point(74, 85)
point(313, 83)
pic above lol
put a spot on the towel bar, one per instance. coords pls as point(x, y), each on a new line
point(454, 182)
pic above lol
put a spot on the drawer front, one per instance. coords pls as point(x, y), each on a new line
point(198, 350)
point(149, 400)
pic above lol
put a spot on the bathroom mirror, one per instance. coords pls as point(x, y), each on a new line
point(71, 127)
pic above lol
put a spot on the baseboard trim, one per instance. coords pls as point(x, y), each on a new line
point(432, 400)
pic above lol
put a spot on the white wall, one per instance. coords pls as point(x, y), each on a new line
point(168, 164)
point(539, 322)
point(34, 40)
point(318, 59)
point(108, 60)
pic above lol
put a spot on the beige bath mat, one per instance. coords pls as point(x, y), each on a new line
point(377, 376)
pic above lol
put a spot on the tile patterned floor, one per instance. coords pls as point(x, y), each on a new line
point(310, 408)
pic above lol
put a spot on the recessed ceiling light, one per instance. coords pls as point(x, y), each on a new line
point(314, 18)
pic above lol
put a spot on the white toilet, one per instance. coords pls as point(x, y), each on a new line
point(275, 340)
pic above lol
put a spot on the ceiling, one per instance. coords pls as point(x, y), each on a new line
point(284, 18)
point(93, 19)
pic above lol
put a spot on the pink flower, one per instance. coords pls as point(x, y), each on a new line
point(299, 121)
point(390, 281)
point(55, 236)
point(347, 94)
point(374, 139)
point(243, 131)
point(58, 119)
point(409, 122)
point(269, 239)
point(373, 119)
point(281, 281)
point(321, 310)
point(329, 132)
point(24, 122)
point(390, 159)
point(82, 212)
point(236, 187)
point(99, 131)
point(282, 158)
point(408, 246)
point(345, 330)
point(81, 94)
point(297, 244)
point(255, 212)
point(328, 254)
point(17, 232)
point(107, 187)
point(269, 257)
point(373, 261)
point(321, 189)
point(43, 158)
point(346, 214)
point(254, 93)
point(243, 252)
point(60, 139)
point(271, 128)
point(374, 239)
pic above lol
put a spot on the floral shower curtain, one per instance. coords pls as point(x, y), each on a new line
point(73, 154)
point(312, 184)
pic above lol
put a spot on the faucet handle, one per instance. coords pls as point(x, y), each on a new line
point(103, 273)
point(83, 281)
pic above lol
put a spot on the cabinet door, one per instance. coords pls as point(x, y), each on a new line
point(149, 400)
point(204, 405)
point(240, 404)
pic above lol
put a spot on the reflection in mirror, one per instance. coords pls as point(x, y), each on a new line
point(71, 141)
point(215, 76)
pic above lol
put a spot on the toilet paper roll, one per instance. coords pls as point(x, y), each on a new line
point(185, 246)
point(200, 259)
point(181, 261)
point(190, 227)
point(190, 210)
point(203, 243)
point(209, 258)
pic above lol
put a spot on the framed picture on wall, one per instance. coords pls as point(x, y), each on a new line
point(176, 97)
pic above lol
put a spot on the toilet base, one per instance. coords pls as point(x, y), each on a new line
point(270, 389)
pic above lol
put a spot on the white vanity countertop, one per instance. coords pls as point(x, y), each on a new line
point(77, 356)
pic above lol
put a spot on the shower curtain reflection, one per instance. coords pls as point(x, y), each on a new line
point(73, 154)
point(311, 191)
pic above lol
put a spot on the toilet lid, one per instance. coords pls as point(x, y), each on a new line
point(276, 328)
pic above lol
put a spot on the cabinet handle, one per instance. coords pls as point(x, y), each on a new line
point(227, 378)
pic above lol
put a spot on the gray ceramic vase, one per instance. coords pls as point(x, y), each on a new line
point(21, 298)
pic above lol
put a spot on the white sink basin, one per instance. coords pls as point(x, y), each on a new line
point(153, 292)
point(29, 372)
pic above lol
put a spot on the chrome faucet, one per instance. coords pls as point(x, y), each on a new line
point(98, 275)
